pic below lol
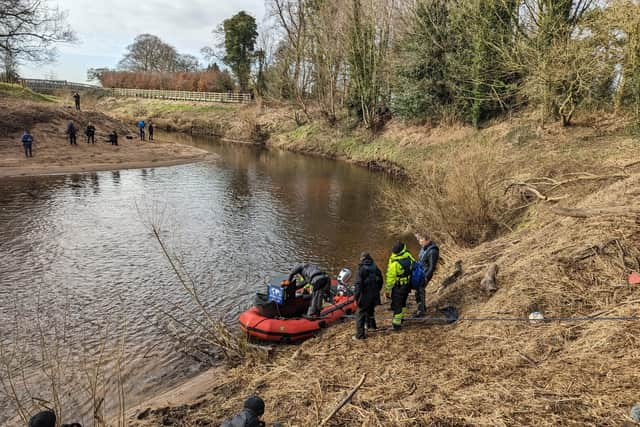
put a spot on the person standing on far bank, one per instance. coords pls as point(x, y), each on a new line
point(141, 128)
point(71, 131)
point(27, 143)
point(91, 134)
point(428, 257)
point(76, 98)
point(150, 130)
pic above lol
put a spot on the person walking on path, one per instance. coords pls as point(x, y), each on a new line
point(150, 127)
point(141, 128)
point(27, 143)
point(398, 282)
point(428, 257)
point(76, 98)
point(71, 132)
point(367, 289)
point(91, 134)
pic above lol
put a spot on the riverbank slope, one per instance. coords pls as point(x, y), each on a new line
point(47, 119)
point(556, 209)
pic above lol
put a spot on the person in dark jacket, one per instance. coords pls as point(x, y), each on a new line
point(76, 98)
point(249, 416)
point(150, 127)
point(91, 134)
point(43, 419)
point(428, 257)
point(367, 289)
point(113, 138)
point(320, 284)
point(27, 143)
point(71, 132)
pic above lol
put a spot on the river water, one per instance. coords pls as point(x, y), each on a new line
point(79, 267)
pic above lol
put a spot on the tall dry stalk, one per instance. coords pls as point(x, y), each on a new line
point(44, 366)
point(203, 326)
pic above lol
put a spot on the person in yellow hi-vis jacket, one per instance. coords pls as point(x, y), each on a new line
point(398, 284)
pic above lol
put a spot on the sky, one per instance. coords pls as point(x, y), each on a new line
point(105, 28)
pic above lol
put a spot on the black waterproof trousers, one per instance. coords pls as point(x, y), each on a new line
point(365, 316)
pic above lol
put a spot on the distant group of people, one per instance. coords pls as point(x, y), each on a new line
point(90, 132)
point(141, 128)
point(28, 142)
point(369, 283)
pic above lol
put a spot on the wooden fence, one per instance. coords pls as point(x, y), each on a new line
point(40, 85)
point(179, 95)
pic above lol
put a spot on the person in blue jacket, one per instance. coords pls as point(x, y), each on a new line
point(27, 143)
point(141, 128)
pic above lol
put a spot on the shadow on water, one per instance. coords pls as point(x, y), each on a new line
point(80, 242)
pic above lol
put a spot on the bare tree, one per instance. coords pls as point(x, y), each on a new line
point(150, 53)
point(29, 30)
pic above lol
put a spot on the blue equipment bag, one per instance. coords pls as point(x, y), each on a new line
point(417, 275)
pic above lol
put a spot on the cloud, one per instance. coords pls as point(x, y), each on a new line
point(106, 28)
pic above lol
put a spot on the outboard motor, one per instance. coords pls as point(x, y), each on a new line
point(343, 288)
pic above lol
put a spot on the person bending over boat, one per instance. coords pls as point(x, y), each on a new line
point(320, 283)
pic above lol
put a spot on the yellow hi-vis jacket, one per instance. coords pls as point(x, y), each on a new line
point(397, 274)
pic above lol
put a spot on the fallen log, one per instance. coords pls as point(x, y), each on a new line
point(344, 401)
point(588, 212)
point(453, 277)
point(488, 282)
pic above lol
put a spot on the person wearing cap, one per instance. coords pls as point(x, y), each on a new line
point(320, 284)
point(428, 257)
point(398, 282)
point(252, 410)
point(367, 287)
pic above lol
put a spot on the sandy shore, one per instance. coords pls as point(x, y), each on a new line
point(52, 153)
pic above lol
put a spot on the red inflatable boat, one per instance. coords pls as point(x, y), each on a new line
point(270, 321)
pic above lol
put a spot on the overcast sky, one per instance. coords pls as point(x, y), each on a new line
point(105, 28)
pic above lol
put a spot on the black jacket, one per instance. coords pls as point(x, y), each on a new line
point(368, 283)
point(428, 257)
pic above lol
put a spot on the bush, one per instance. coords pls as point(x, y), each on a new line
point(460, 195)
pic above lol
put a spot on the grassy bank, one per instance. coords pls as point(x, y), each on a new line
point(556, 209)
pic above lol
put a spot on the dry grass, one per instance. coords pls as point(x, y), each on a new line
point(476, 373)
point(485, 373)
